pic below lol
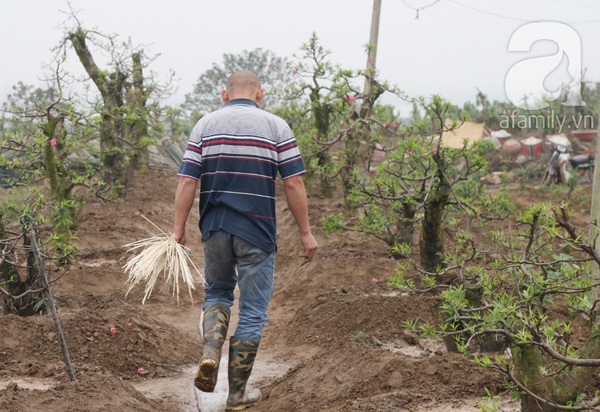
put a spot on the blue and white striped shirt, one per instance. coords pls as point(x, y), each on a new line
point(237, 152)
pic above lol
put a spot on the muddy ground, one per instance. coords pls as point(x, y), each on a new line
point(312, 342)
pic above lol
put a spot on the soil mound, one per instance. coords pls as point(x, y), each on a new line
point(335, 326)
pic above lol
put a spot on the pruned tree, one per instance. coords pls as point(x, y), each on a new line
point(128, 106)
point(331, 117)
point(548, 356)
point(49, 140)
point(534, 301)
point(51, 168)
point(420, 176)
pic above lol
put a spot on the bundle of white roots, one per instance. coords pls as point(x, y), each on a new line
point(160, 255)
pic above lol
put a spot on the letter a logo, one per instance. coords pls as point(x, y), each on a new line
point(533, 71)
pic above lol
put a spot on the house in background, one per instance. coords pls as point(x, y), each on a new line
point(471, 131)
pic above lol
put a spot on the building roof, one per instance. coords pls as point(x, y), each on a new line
point(468, 130)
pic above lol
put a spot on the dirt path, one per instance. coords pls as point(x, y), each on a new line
point(334, 342)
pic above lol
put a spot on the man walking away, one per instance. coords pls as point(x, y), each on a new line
point(236, 153)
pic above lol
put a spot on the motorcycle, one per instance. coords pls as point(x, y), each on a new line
point(561, 157)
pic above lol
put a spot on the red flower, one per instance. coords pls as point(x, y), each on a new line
point(53, 142)
point(409, 150)
point(350, 98)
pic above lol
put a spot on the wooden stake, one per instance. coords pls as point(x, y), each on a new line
point(51, 306)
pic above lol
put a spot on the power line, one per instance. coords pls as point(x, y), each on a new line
point(418, 9)
point(510, 17)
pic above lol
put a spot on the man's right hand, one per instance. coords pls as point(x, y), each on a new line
point(179, 237)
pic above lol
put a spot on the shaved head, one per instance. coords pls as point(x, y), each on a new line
point(242, 83)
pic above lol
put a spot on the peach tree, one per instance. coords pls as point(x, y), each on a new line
point(124, 100)
point(325, 110)
point(536, 300)
point(46, 176)
point(423, 180)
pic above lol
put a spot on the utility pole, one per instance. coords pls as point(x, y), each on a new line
point(372, 55)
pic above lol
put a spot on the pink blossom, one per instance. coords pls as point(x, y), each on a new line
point(385, 125)
point(129, 324)
point(315, 136)
point(140, 370)
point(350, 98)
point(375, 280)
point(409, 150)
point(46, 181)
point(394, 125)
point(478, 215)
point(53, 142)
point(113, 330)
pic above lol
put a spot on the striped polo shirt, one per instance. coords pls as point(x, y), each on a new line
point(237, 152)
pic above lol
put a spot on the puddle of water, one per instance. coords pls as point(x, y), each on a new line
point(29, 383)
point(266, 367)
point(180, 392)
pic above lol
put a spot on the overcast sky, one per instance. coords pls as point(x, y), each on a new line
point(453, 48)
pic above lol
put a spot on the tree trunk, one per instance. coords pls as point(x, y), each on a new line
point(114, 162)
point(113, 135)
point(405, 228)
point(60, 189)
point(327, 185)
point(10, 280)
point(351, 150)
point(141, 156)
point(321, 113)
point(357, 151)
point(527, 360)
point(431, 243)
point(11, 283)
point(33, 271)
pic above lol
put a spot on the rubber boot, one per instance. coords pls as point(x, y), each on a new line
point(214, 327)
point(241, 360)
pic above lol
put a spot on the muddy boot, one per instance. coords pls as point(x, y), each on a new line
point(241, 359)
point(214, 327)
